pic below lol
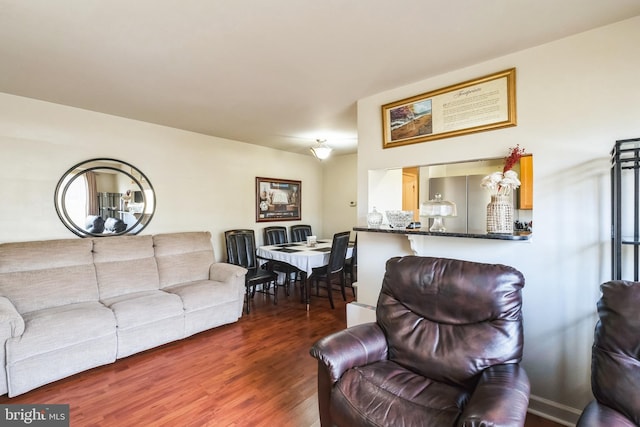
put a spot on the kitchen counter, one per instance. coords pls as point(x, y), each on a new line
point(426, 232)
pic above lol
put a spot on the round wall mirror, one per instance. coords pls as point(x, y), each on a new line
point(104, 197)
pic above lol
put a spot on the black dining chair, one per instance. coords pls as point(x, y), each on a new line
point(277, 235)
point(241, 250)
point(334, 268)
point(300, 232)
point(351, 267)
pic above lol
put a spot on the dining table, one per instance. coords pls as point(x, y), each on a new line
point(302, 256)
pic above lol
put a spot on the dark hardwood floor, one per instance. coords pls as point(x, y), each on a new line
point(256, 372)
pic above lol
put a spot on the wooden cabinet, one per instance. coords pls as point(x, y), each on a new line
point(525, 193)
point(410, 191)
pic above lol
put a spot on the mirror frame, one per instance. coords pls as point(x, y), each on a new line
point(64, 183)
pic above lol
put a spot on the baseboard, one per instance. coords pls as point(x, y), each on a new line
point(358, 313)
point(553, 411)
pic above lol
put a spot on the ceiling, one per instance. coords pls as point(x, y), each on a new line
point(278, 73)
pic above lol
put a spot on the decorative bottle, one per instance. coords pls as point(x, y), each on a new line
point(374, 218)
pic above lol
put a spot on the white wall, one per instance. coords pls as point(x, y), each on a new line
point(385, 191)
point(339, 190)
point(575, 98)
point(201, 182)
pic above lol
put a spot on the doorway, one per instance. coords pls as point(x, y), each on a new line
point(411, 191)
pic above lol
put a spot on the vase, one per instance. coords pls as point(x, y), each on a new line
point(500, 214)
point(374, 218)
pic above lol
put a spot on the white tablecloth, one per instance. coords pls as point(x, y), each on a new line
point(300, 255)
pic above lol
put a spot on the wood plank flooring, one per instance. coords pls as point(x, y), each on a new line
point(256, 372)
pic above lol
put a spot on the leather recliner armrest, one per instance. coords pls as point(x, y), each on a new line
point(500, 398)
point(336, 353)
point(355, 346)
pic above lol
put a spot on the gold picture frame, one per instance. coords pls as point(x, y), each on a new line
point(278, 199)
point(477, 105)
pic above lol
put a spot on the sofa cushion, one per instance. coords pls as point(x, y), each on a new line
point(125, 264)
point(141, 308)
point(94, 224)
point(59, 342)
point(114, 225)
point(204, 293)
point(59, 327)
point(60, 271)
point(183, 257)
point(385, 393)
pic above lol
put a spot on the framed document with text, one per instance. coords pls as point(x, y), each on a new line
point(476, 105)
point(278, 199)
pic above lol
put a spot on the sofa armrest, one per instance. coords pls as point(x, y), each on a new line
point(500, 398)
point(11, 322)
point(222, 271)
point(356, 346)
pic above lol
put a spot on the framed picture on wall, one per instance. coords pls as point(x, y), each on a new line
point(278, 199)
point(476, 105)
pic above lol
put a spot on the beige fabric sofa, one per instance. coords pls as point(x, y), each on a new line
point(70, 305)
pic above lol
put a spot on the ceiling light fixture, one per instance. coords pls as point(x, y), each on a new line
point(321, 150)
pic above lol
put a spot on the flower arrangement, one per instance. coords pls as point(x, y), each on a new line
point(502, 183)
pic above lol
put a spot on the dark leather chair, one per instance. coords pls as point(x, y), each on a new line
point(351, 267)
point(241, 250)
point(615, 358)
point(334, 269)
point(444, 351)
point(277, 235)
point(300, 232)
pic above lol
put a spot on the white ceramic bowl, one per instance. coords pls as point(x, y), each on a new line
point(399, 219)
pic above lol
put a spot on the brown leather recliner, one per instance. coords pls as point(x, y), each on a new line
point(444, 351)
point(615, 364)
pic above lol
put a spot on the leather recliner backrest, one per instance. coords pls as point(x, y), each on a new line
point(447, 319)
point(615, 364)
